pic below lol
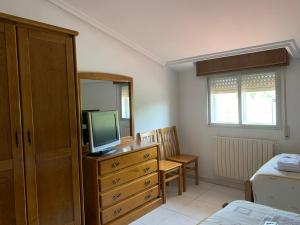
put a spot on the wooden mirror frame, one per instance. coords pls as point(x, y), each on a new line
point(114, 78)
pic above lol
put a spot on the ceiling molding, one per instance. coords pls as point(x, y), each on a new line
point(290, 45)
point(100, 26)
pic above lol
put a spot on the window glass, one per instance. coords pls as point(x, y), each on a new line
point(259, 99)
point(224, 100)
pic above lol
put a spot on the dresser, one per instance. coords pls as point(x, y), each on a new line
point(122, 186)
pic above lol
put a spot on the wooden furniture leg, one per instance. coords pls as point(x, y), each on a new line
point(163, 176)
point(248, 191)
point(170, 171)
point(184, 177)
point(196, 172)
point(179, 181)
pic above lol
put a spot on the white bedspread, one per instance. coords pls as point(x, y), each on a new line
point(248, 213)
point(276, 188)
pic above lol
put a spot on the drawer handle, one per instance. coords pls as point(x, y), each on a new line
point(147, 197)
point(146, 169)
point(115, 181)
point(117, 211)
point(146, 155)
point(115, 164)
point(116, 196)
point(147, 182)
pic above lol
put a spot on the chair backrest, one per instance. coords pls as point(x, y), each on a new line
point(151, 136)
point(148, 137)
point(169, 141)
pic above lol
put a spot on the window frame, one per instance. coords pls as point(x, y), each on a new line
point(278, 91)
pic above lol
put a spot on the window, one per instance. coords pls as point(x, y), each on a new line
point(125, 102)
point(224, 100)
point(245, 98)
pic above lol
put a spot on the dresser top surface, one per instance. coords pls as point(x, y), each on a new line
point(123, 150)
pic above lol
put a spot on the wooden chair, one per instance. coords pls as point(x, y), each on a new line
point(171, 150)
point(148, 137)
point(168, 170)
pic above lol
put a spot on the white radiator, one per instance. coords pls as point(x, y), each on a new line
point(240, 158)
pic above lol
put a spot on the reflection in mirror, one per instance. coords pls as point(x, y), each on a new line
point(125, 102)
point(106, 96)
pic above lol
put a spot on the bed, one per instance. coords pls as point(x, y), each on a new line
point(249, 213)
point(278, 189)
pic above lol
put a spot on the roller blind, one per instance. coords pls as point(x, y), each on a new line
point(258, 82)
point(223, 84)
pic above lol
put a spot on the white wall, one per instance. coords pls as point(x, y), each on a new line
point(154, 86)
point(197, 137)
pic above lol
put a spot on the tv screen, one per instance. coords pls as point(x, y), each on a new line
point(104, 130)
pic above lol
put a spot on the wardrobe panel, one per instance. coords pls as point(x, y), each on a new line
point(7, 212)
point(5, 128)
point(49, 88)
point(49, 173)
point(50, 127)
point(12, 189)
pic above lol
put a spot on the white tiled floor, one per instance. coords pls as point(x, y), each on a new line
point(193, 206)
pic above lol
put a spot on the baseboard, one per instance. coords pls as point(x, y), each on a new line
point(220, 181)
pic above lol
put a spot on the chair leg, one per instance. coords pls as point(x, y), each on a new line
point(163, 177)
point(184, 177)
point(179, 181)
point(196, 172)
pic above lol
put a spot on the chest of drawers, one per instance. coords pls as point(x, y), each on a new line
point(122, 186)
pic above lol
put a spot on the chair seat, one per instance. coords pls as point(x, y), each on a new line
point(166, 165)
point(182, 158)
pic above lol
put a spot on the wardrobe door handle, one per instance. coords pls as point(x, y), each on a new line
point(17, 139)
point(29, 137)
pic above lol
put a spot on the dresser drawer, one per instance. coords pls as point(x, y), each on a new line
point(111, 165)
point(113, 180)
point(129, 189)
point(127, 205)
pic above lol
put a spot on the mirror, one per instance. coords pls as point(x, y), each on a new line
point(106, 92)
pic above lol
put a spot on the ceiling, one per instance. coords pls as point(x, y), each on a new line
point(177, 29)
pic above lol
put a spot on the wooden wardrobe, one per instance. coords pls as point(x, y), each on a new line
point(39, 165)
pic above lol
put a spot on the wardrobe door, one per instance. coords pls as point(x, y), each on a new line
point(12, 188)
point(49, 127)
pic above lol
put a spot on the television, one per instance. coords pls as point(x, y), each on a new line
point(104, 131)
